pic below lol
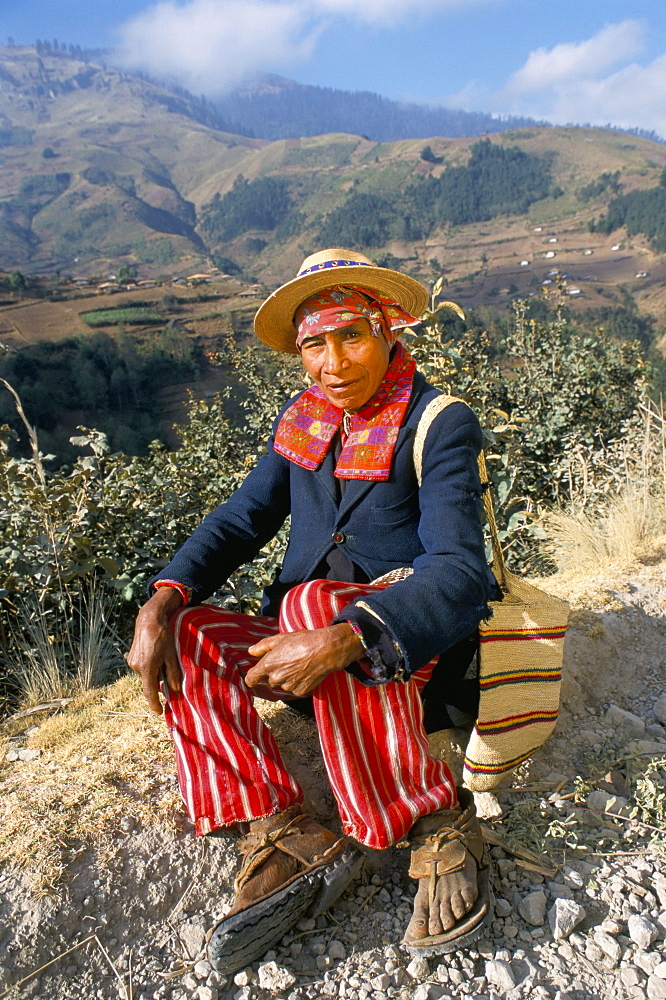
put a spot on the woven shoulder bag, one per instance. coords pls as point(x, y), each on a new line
point(520, 654)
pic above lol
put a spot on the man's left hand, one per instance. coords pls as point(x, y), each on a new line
point(297, 662)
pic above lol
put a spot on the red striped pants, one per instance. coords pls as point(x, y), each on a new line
point(374, 745)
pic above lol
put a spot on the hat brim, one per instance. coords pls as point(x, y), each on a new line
point(274, 320)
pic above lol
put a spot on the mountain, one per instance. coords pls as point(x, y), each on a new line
point(276, 108)
point(100, 168)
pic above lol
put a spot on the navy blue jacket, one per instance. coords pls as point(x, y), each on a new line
point(382, 526)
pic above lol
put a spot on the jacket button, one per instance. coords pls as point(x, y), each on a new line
point(338, 536)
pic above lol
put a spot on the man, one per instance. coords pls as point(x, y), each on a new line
point(340, 463)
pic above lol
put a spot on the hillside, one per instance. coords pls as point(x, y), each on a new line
point(98, 168)
point(275, 108)
point(91, 813)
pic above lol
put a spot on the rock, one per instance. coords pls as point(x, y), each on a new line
point(619, 719)
point(660, 970)
point(202, 970)
point(660, 708)
point(430, 991)
point(656, 988)
point(611, 926)
point(381, 982)
point(418, 968)
point(11, 755)
point(559, 891)
point(127, 824)
point(243, 978)
point(503, 907)
point(647, 961)
point(533, 908)
point(564, 916)
point(499, 973)
point(630, 976)
point(193, 935)
point(337, 951)
point(206, 993)
point(487, 806)
point(610, 947)
point(600, 801)
point(645, 746)
point(29, 753)
point(273, 977)
point(641, 931)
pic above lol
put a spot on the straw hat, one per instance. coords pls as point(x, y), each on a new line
point(274, 321)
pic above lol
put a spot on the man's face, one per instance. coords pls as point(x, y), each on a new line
point(348, 364)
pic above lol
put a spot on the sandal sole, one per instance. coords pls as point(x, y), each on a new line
point(241, 938)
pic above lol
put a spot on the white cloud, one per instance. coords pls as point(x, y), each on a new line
point(211, 45)
point(571, 61)
point(597, 81)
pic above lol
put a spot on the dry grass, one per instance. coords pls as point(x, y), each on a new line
point(103, 758)
point(106, 756)
point(618, 513)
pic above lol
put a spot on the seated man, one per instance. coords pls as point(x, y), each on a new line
point(340, 462)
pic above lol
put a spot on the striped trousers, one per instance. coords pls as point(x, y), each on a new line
point(373, 742)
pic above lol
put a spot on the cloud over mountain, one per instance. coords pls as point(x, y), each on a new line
point(212, 45)
point(598, 80)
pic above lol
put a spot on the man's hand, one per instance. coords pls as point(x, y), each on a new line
point(153, 649)
point(297, 662)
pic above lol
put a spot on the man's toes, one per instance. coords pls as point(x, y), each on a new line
point(459, 905)
point(418, 925)
point(442, 917)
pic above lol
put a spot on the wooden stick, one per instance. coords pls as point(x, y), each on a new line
point(42, 967)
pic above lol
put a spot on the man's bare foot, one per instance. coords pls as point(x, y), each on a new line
point(455, 894)
point(452, 901)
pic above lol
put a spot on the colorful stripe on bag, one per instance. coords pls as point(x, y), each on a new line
point(506, 765)
point(518, 677)
point(515, 722)
point(500, 635)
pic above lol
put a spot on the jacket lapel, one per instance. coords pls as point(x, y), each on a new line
point(325, 476)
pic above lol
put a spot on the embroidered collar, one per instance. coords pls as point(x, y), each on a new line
point(308, 426)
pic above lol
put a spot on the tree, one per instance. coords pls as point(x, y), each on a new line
point(17, 282)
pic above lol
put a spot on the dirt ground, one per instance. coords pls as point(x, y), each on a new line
point(134, 892)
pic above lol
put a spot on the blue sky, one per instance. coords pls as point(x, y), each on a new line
point(565, 61)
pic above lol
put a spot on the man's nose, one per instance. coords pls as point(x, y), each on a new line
point(336, 360)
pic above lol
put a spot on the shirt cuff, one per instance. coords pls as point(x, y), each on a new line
point(383, 660)
point(185, 592)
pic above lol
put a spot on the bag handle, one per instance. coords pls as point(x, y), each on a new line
point(434, 407)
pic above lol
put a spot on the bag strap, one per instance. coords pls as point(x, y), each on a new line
point(435, 407)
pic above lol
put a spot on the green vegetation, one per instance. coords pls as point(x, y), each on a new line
point(552, 413)
point(15, 135)
point(260, 204)
point(111, 382)
point(606, 182)
point(495, 181)
point(641, 212)
point(132, 315)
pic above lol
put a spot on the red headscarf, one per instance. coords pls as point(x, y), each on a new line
point(334, 308)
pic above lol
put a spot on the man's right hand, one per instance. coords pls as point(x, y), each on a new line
point(153, 651)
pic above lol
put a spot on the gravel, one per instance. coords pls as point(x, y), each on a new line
point(594, 927)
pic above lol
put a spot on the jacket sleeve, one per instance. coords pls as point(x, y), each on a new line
point(448, 593)
point(235, 531)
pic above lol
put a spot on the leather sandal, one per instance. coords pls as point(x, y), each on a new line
point(441, 844)
point(292, 867)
